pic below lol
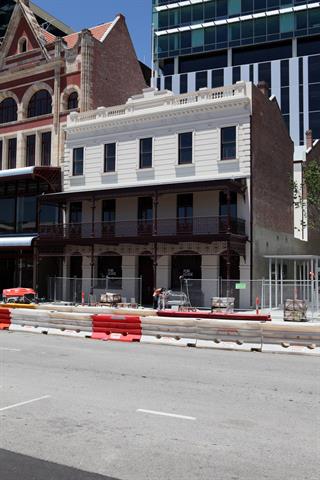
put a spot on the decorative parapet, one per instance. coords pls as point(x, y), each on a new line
point(152, 101)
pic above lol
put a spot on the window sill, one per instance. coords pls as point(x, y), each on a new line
point(184, 165)
point(229, 160)
point(107, 174)
point(145, 169)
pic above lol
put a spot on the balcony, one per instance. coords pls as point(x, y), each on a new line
point(141, 231)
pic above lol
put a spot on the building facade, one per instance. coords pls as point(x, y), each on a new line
point(42, 78)
point(211, 43)
point(164, 185)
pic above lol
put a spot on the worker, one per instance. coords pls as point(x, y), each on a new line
point(156, 298)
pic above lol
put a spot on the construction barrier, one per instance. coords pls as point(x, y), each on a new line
point(41, 321)
point(168, 330)
point(124, 328)
point(5, 318)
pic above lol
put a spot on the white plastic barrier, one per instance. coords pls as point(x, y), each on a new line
point(46, 321)
point(142, 312)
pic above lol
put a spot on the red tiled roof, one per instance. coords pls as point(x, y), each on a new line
point(98, 32)
point(49, 37)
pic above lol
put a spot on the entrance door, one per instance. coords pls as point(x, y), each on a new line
point(188, 266)
point(146, 272)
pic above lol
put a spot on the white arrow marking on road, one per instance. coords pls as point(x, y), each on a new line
point(153, 412)
point(24, 403)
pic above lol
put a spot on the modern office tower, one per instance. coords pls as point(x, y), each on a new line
point(211, 43)
point(46, 20)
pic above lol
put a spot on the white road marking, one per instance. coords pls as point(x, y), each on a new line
point(24, 403)
point(10, 349)
point(153, 412)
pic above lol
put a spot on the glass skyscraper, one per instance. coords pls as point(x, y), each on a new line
point(211, 43)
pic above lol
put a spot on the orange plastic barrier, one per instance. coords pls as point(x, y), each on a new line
point(121, 328)
point(5, 318)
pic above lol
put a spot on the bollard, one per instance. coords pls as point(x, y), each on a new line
point(82, 298)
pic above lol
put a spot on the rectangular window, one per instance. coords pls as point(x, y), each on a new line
point(77, 166)
point(108, 210)
point(75, 212)
point(185, 213)
point(110, 157)
point(184, 83)
point(228, 143)
point(145, 215)
point(145, 153)
point(12, 153)
point(185, 148)
point(108, 216)
point(201, 80)
point(217, 78)
point(46, 149)
point(31, 150)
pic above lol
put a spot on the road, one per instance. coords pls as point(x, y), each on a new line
point(90, 410)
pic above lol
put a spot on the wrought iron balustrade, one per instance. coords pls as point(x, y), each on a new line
point(139, 229)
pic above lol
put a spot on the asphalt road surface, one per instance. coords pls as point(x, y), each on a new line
point(74, 409)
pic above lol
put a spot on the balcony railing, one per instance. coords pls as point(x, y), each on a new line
point(144, 229)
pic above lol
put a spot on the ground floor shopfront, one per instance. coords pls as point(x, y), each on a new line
point(134, 270)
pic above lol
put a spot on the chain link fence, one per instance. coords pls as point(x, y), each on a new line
point(269, 294)
point(247, 293)
point(76, 290)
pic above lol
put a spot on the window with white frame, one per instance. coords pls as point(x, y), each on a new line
point(228, 143)
point(145, 160)
point(110, 151)
point(77, 161)
point(185, 148)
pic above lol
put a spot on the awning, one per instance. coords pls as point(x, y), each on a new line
point(17, 241)
point(50, 175)
point(237, 183)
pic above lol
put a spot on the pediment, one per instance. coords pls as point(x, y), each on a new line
point(23, 26)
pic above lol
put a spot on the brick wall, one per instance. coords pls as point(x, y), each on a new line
point(272, 167)
point(117, 74)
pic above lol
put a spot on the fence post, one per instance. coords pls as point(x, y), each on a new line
point(55, 290)
point(74, 289)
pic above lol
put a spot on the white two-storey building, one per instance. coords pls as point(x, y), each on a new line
point(164, 186)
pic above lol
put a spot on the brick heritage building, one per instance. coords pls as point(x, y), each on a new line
point(42, 78)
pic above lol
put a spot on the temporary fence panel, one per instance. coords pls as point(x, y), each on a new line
point(277, 292)
point(87, 290)
point(244, 292)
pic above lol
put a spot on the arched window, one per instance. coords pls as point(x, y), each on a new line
point(72, 101)
point(8, 111)
point(40, 104)
point(22, 45)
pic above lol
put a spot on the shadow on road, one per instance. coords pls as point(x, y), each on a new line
point(14, 466)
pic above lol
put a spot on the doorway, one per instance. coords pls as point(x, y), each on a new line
point(146, 272)
point(188, 266)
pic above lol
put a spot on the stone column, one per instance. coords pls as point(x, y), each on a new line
point(86, 70)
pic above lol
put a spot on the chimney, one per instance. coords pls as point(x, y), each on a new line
point(264, 88)
point(309, 139)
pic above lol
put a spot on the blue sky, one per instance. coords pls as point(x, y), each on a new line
point(87, 13)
